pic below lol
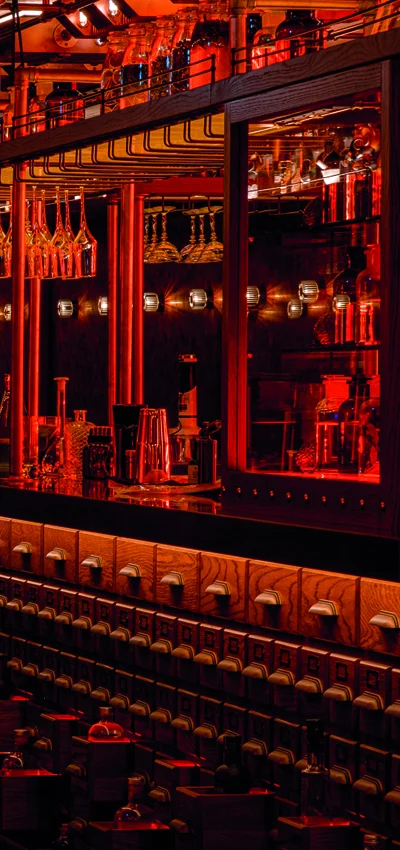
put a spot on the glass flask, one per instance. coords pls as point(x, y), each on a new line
point(296, 35)
point(38, 250)
point(327, 422)
point(54, 457)
point(64, 105)
point(98, 454)
point(112, 79)
point(161, 58)
point(106, 727)
point(85, 246)
point(368, 299)
point(134, 809)
point(76, 438)
point(5, 254)
point(181, 49)
point(15, 759)
point(211, 37)
point(135, 66)
point(61, 248)
point(5, 427)
point(369, 444)
point(344, 296)
point(349, 423)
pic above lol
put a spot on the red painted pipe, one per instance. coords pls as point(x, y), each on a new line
point(138, 288)
point(18, 287)
point(34, 337)
point(112, 260)
point(126, 300)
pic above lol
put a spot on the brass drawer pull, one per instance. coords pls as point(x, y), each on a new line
point(57, 554)
point(324, 608)
point(101, 695)
point(141, 639)
point(205, 730)
point(14, 605)
point(131, 571)
point(219, 588)
point(185, 724)
point(30, 608)
point(140, 708)
point(230, 665)
point(162, 646)
point(121, 634)
point(173, 579)
point(340, 775)
point(385, 620)
point(281, 756)
point(256, 671)
point(183, 651)
point(339, 693)
point(282, 678)
point(47, 675)
point(23, 548)
point(207, 657)
point(309, 685)
point(92, 561)
point(369, 785)
point(82, 688)
point(255, 747)
point(101, 629)
point(82, 623)
point(120, 701)
point(269, 597)
point(393, 710)
point(161, 715)
point(369, 701)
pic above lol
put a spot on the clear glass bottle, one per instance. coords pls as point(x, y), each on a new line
point(314, 778)
point(85, 246)
point(349, 424)
point(64, 105)
point(368, 299)
point(232, 777)
point(344, 296)
point(327, 422)
point(112, 79)
point(135, 66)
point(182, 49)
point(106, 727)
point(161, 58)
point(76, 438)
point(98, 454)
point(134, 809)
point(5, 427)
point(15, 759)
point(61, 248)
point(211, 37)
point(369, 440)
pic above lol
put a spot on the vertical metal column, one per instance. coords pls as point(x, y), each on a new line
point(112, 263)
point(126, 299)
point(18, 284)
point(138, 278)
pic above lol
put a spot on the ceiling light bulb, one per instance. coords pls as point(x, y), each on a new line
point(112, 8)
point(308, 291)
point(83, 19)
point(252, 297)
point(295, 308)
point(151, 302)
point(198, 299)
point(65, 309)
point(102, 305)
point(7, 312)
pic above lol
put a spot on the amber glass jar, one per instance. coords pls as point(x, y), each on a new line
point(64, 105)
point(161, 58)
point(112, 79)
point(296, 35)
point(182, 49)
point(210, 37)
point(135, 65)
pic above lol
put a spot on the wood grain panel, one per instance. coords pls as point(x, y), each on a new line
point(283, 580)
point(186, 562)
point(231, 570)
point(102, 545)
point(29, 532)
point(62, 538)
point(5, 542)
point(343, 590)
point(144, 555)
point(378, 596)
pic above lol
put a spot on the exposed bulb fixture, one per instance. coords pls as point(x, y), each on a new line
point(295, 308)
point(252, 297)
point(65, 309)
point(83, 20)
point(198, 299)
point(308, 291)
point(112, 8)
point(102, 305)
point(341, 302)
point(151, 302)
point(7, 312)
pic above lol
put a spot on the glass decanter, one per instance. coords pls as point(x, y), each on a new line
point(161, 58)
point(5, 256)
point(135, 65)
point(76, 438)
point(38, 250)
point(112, 79)
point(181, 49)
point(15, 759)
point(106, 727)
point(296, 35)
point(368, 299)
point(134, 809)
point(85, 246)
point(61, 248)
point(211, 38)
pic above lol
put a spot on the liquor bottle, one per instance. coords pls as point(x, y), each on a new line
point(368, 299)
point(327, 422)
point(64, 105)
point(135, 66)
point(15, 759)
point(84, 246)
point(314, 777)
point(344, 296)
point(181, 50)
point(5, 427)
point(349, 424)
point(106, 727)
point(296, 35)
point(134, 809)
point(232, 777)
point(161, 58)
point(210, 38)
point(369, 439)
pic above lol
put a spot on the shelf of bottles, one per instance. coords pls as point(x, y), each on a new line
point(313, 355)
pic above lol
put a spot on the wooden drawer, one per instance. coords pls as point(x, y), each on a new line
point(60, 548)
point(223, 586)
point(136, 559)
point(96, 560)
point(177, 581)
point(273, 594)
point(380, 615)
point(329, 606)
point(27, 546)
point(5, 542)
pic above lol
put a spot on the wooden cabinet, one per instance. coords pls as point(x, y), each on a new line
point(27, 546)
point(60, 549)
point(380, 615)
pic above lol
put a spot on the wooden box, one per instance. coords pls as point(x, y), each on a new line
point(225, 821)
point(29, 799)
point(102, 767)
point(293, 834)
point(146, 835)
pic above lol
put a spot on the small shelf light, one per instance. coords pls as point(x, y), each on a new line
point(113, 9)
point(151, 302)
point(198, 299)
point(341, 302)
point(102, 305)
point(308, 291)
point(65, 309)
point(295, 308)
point(253, 296)
point(83, 20)
point(7, 312)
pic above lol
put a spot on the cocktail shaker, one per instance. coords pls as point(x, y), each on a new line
point(153, 462)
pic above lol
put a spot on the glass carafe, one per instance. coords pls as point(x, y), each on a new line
point(327, 422)
point(181, 49)
point(76, 438)
point(368, 299)
point(106, 727)
point(135, 65)
point(210, 37)
point(349, 424)
point(161, 58)
point(344, 296)
point(112, 79)
point(61, 247)
point(64, 105)
point(85, 246)
point(370, 426)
